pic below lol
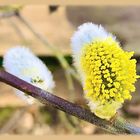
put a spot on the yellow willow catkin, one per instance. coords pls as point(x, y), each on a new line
point(109, 73)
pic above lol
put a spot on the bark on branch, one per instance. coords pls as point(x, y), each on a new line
point(118, 126)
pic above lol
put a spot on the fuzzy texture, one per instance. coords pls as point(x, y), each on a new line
point(21, 62)
point(108, 73)
point(87, 33)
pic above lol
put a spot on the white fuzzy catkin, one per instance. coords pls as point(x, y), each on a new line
point(87, 33)
point(21, 62)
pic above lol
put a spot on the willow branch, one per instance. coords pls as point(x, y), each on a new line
point(52, 100)
point(69, 72)
point(7, 11)
point(116, 127)
point(7, 14)
point(67, 68)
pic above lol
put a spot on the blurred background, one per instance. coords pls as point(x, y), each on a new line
point(57, 24)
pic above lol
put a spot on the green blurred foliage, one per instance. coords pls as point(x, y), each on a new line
point(51, 61)
point(48, 115)
point(10, 8)
point(5, 114)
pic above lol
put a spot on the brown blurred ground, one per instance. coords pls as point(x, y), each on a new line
point(59, 26)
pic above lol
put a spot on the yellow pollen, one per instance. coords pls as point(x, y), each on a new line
point(109, 73)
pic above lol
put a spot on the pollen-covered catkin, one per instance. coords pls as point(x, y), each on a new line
point(108, 73)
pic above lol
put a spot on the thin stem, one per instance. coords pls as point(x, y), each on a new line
point(66, 123)
point(7, 14)
point(11, 124)
point(68, 72)
point(56, 52)
point(70, 85)
point(117, 127)
point(126, 126)
point(18, 31)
